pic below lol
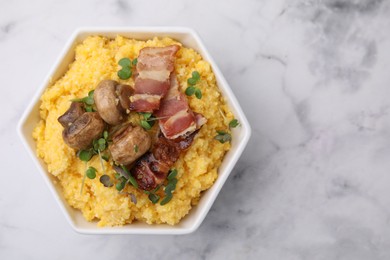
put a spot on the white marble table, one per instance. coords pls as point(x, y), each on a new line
point(314, 80)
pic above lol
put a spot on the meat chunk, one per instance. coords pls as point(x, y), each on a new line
point(129, 143)
point(177, 118)
point(154, 68)
point(152, 168)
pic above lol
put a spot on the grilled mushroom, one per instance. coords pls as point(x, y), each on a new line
point(129, 143)
point(83, 131)
point(124, 92)
point(75, 110)
point(112, 100)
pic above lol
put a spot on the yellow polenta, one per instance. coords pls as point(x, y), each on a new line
point(96, 59)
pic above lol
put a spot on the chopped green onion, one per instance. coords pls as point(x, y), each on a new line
point(169, 188)
point(154, 198)
point(172, 174)
point(166, 199)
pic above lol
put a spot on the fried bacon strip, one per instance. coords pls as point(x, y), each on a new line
point(154, 68)
point(176, 117)
point(152, 168)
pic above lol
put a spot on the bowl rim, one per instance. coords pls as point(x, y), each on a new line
point(229, 95)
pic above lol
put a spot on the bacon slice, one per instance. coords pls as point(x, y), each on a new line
point(154, 68)
point(152, 168)
point(176, 117)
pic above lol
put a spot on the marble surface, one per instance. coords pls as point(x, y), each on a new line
point(313, 77)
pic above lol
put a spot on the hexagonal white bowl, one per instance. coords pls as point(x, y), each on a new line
point(241, 135)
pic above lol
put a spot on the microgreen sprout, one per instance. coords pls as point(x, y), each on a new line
point(106, 180)
point(192, 89)
point(122, 170)
point(234, 123)
point(154, 198)
point(120, 185)
point(148, 120)
point(223, 137)
point(126, 71)
point(88, 101)
point(85, 155)
point(91, 173)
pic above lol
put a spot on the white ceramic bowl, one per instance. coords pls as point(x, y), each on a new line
point(241, 134)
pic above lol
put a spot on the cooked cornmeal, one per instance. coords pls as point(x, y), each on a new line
point(96, 59)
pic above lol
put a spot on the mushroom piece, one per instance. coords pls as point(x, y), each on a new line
point(129, 143)
point(110, 98)
point(124, 92)
point(83, 131)
point(75, 110)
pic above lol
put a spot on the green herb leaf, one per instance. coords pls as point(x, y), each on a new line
point(190, 90)
point(172, 174)
point(234, 123)
point(91, 173)
point(88, 109)
point(120, 185)
point(85, 155)
point(131, 178)
point(223, 137)
point(136, 148)
point(124, 62)
point(166, 199)
point(105, 134)
point(124, 73)
point(195, 75)
point(147, 115)
point(145, 125)
point(191, 81)
point(157, 188)
point(169, 188)
point(154, 198)
point(135, 61)
point(105, 157)
point(89, 101)
point(101, 141)
point(198, 93)
point(106, 180)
